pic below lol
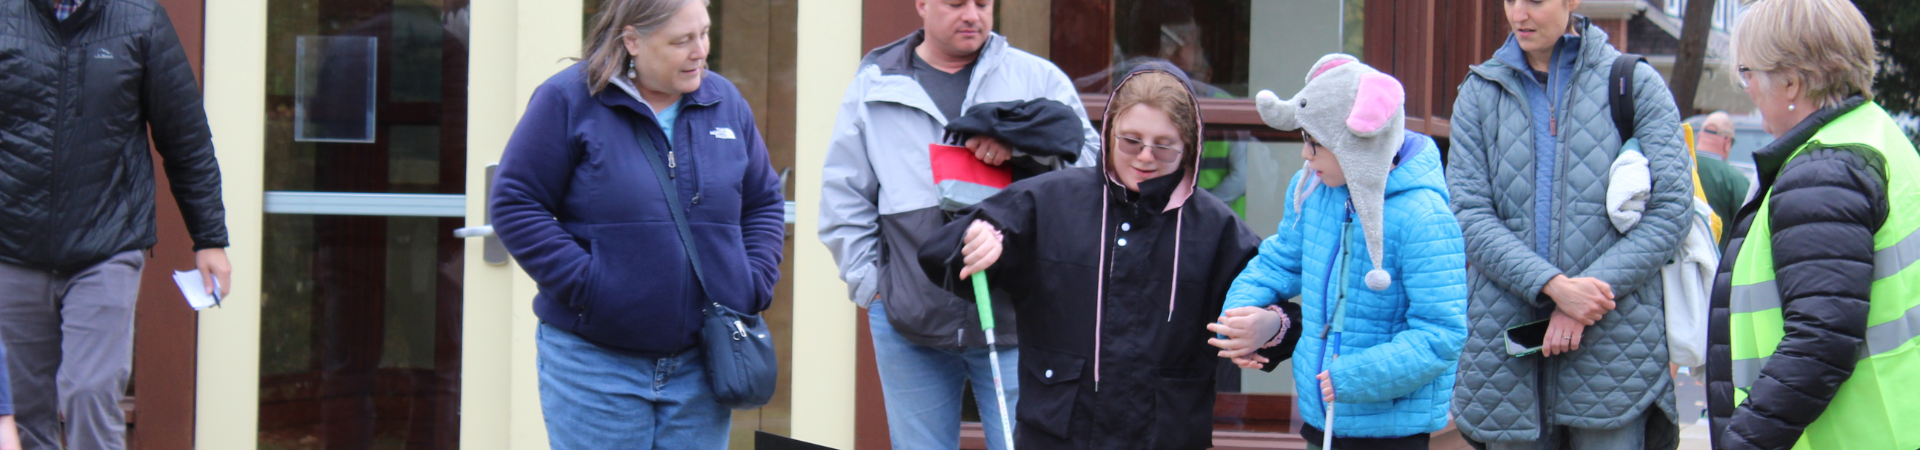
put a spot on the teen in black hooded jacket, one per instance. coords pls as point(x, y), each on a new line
point(1114, 273)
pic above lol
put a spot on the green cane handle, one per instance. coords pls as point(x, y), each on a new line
point(984, 299)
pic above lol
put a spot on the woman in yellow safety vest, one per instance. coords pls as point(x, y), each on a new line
point(1817, 302)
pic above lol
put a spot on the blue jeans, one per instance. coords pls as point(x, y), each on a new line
point(596, 398)
point(922, 387)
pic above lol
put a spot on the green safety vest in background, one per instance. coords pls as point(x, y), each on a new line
point(1216, 159)
point(1879, 406)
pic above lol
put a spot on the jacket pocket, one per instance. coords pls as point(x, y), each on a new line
point(638, 289)
point(112, 75)
point(583, 296)
point(1048, 391)
point(720, 149)
point(1344, 409)
point(1182, 408)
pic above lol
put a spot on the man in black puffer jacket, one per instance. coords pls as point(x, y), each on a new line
point(82, 85)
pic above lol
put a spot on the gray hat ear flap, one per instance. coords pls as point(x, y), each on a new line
point(1368, 202)
point(1279, 114)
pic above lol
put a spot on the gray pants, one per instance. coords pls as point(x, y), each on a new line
point(69, 339)
point(1632, 436)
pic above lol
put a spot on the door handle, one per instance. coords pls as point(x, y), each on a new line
point(790, 207)
point(472, 232)
point(492, 251)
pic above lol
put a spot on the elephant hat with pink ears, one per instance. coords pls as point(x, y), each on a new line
point(1360, 114)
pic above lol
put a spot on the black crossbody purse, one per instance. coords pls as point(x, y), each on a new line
point(740, 360)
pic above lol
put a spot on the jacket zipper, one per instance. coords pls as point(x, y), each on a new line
point(673, 164)
point(699, 187)
point(1337, 296)
point(61, 139)
point(1553, 104)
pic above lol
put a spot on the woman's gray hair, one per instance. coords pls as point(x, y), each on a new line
point(606, 55)
point(1825, 45)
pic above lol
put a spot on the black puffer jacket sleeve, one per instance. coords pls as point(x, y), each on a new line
point(1826, 206)
point(172, 104)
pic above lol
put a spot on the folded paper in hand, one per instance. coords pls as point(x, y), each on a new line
point(196, 290)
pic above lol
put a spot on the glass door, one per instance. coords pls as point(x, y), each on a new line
point(365, 159)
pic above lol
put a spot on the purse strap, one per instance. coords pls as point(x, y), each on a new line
point(672, 193)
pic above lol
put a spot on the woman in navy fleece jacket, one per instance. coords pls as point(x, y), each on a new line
point(578, 204)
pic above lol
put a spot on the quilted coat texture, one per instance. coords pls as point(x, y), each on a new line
point(77, 98)
point(1400, 347)
point(1620, 370)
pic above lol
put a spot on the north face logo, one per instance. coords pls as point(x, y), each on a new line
point(103, 54)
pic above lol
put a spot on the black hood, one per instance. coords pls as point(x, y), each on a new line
point(1189, 161)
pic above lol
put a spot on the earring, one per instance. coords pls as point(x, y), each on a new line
point(632, 72)
point(1790, 106)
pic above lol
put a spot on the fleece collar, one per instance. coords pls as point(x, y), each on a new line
point(1509, 68)
point(707, 95)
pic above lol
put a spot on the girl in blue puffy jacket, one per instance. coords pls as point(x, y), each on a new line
point(1370, 245)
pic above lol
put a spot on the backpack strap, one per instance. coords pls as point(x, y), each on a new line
point(1620, 93)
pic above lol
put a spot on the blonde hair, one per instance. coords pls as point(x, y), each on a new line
point(1825, 45)
point(606, 56)
point(1166, 93)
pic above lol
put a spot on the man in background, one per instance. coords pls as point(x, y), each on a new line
point(1725, 186)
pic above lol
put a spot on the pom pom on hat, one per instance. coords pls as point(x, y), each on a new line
point(1379, 280)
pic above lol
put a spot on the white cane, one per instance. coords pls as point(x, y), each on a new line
point(1326, 441)
point(981, 297)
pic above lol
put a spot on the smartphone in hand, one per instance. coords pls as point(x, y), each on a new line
point(1526, 339)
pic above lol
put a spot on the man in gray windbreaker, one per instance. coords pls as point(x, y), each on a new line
point(879, 201)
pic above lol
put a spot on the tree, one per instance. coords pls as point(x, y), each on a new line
point(1695, 25)
point(1896, 28)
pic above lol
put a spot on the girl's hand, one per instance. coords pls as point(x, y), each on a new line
point(1246, 328)
point(1326, 386)
point(982, 248)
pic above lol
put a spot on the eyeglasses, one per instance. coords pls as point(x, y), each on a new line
point(1743, 76)
point(1728, 136)
point(1164, 153)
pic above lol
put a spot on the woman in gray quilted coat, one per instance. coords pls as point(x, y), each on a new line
point(1533, 140)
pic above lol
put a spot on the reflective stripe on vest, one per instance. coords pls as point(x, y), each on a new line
point(1876, 407)
point(1216, 158)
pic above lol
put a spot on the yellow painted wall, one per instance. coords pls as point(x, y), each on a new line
point(515, 46)
point(823, 318)
point(226, 403)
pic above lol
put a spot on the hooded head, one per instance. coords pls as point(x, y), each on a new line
point(1152, 95)
point(1360, 115)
